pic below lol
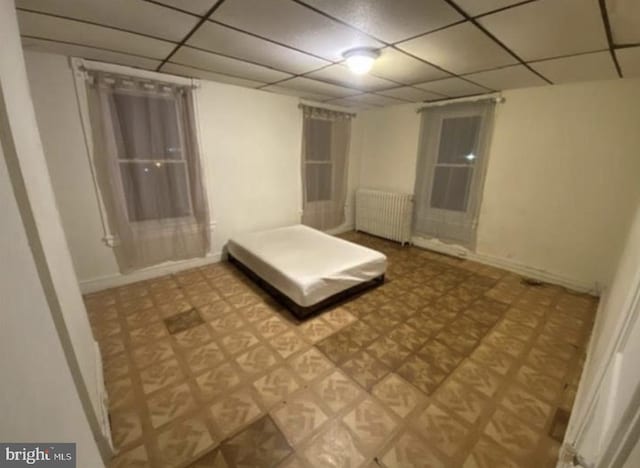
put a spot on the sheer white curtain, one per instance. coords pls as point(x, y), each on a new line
point(148, 169)
point(452, 163)
point(325, 148)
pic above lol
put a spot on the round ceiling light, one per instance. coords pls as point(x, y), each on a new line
point(361, 60)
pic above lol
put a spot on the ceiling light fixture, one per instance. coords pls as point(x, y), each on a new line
point(361, 60)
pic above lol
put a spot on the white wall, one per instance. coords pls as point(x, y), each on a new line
point(251, 143)
point(600, 375)
point(40, 401)
point(561, 182)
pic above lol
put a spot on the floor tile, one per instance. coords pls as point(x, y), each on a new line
point(234, 411)
point(409, 451)
point(526, 406)
point(487, 454)
point(239, 341)
point(160, 375)
point(183, 321)
point(192, 337)
point(275, 386)
point(298, 417)
point(217, 381)
point(333, 447)
point(370, 423)
point(397, 395)
point(287, 343)
point(136, 457)
point(126, 427)
point(365, 369)
point(169, 403)
point(461, 400)
point(337, 390)
point(152, 353)
point(423, 375)
point(258, 359)
point(441, 430)
point(183, 442)
point(259, 445)
point(389, 352)
point(315, 330)
point(204, 357)
point(310, 364)
point(512, 435)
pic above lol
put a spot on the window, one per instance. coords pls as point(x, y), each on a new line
point(146, 164)
point(451, 166)
point(151, 157)
point(454, 167)
point(325, 146)
point(318, 164)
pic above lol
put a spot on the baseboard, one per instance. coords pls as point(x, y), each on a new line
point(118, 279)
point(340, 229)
point(508, 264)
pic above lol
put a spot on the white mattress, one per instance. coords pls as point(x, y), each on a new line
point(306, 265)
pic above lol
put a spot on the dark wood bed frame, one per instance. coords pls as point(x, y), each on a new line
point(299, 311)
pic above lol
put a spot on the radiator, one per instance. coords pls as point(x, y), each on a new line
point(384, 214)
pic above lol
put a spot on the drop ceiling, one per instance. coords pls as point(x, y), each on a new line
point(430, 49)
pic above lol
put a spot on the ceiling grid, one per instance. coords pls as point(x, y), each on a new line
point(430, 49)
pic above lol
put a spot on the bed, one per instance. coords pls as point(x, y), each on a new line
point(305, 269)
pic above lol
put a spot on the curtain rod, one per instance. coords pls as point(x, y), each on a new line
point(326, 107)
point(92, 65)
point(495, 97)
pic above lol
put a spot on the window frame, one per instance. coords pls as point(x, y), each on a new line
point(173, 220)
point(79, 67)
point(318, 162)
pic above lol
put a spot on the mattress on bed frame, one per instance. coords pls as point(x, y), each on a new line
point(306, 265)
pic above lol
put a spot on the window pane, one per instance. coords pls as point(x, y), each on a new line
point(149, 127)
point(318, 140)
point(155, 191)
point(318, 184)
point(458, 139)
point(451, 188)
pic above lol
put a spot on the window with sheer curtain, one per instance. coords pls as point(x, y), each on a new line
point(325, 147)
point(451, 169)
point(148, 169)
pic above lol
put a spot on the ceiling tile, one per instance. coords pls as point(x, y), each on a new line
point(293, 24)
point(49, 27)
point(597, 66)
point(207, 75)
point(517, 76)
point(296, 92)
point(408, 93)
point(225, 65)
point(341, 75)
point(629, 61)
point(478, 7)
point(391, 20)
point(400, 67)
point(199, 7)
point(375, 100)
point(227, 41)
point(460, 49)
point(135, 16)
point(309, 86)
point(624, 17)
point(70, 50)
point(453, 87)
point(549, 28)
